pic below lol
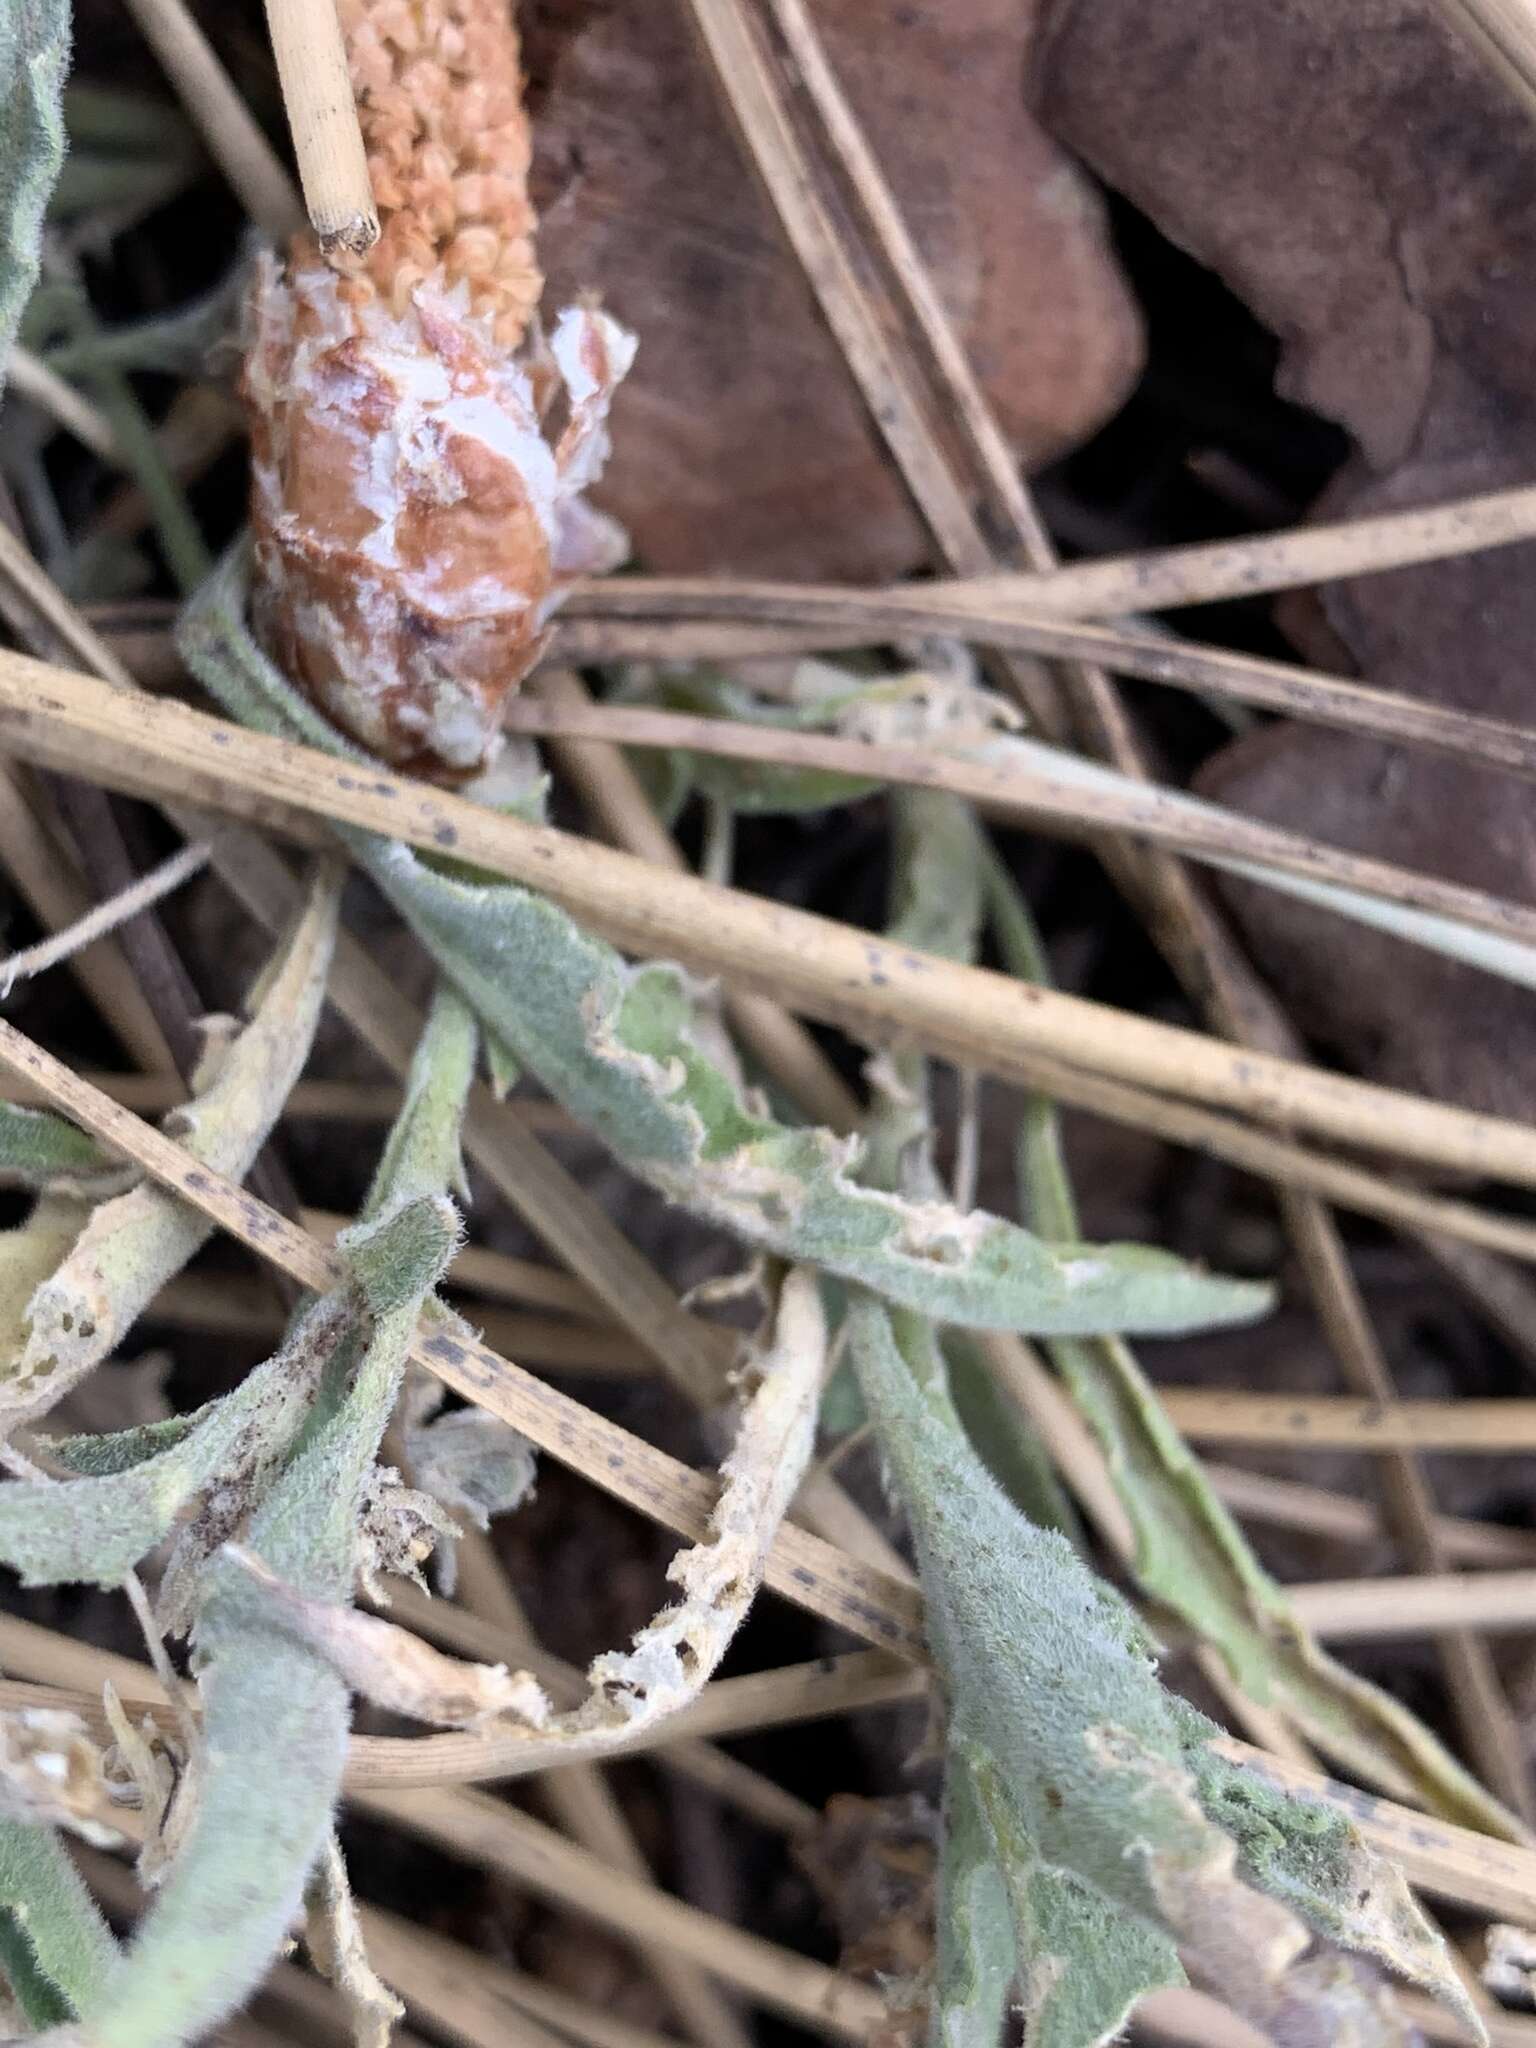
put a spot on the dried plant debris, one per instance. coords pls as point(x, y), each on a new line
point(620, 1048)
point(54, 1773)
point(1361, 181)
point(1103, 1818)
point(335, 1943)
point(34, 59)
point(673, 1655)
point(643, 188)
point(123, 1251)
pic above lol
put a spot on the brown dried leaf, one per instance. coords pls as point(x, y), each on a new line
point(1362, 181)
point(740, 441)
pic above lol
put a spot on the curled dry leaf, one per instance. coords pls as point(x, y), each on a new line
point(53, 1774)
point(413, 518)
point(746, 446)
point(673, 1656)
point(335, 1943)
point(1360, 177)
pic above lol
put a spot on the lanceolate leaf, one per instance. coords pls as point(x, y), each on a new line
point(37, 1147)
point(57, 1951)
point(618, 1046)
point(34, 58)
point(976, 1958)
point(95, 1529)
point(1080, 1759)
point(1190, 1554)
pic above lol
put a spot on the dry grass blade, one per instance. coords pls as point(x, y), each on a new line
point(1031, 792)
point(1503, 32)
point(30, 377)
point(1292, 1504)
point(1363, 1610)
point(333, 166)
point(104, 917)
point(473, 1826)
point(832, 971)
point(1340, 1422)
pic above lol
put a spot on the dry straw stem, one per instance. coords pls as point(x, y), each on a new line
point(43, 872)
point(1292, 1504)
point(220, 115)
point(481, 1830)
point(1503, 32)
point(367, 1102)
point(1455, 1863)
point(605, 622)
point(1012, 790)
point(471, 1999)
point(322, 118)
point(30, 377)
point(800, 1566)
point(833, 971)
point(104, 917)
point(1339, 1422)
point(1363, 1610)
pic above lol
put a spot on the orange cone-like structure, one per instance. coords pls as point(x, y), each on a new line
point(413, 520)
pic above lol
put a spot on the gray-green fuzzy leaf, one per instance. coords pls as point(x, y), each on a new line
point(34, 59)
point(37, 1147)
point(975, 1957)
point(52, 1926)
point(618, 1047)
point(1190, 1553)
point(275, 1710)
point(94, 1530)
point(1080, 1757)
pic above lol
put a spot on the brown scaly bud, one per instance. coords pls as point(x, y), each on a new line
point(413, 520)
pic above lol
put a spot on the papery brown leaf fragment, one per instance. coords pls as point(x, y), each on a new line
point(745, 445)
point(1365, 183)
point(53, 1773)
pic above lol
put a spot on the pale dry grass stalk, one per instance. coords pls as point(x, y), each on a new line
point(1340, 1422)
point(969, 1015)
point(44, 873)
point(1503, 32)
point(30, 377)
point(1366, 1610)
point(810, 1572)
point(1028, 792)
point(1293, 1504)
point(483, 1831)
point(581, 1800)
point(104, 917)
point(333, 166)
